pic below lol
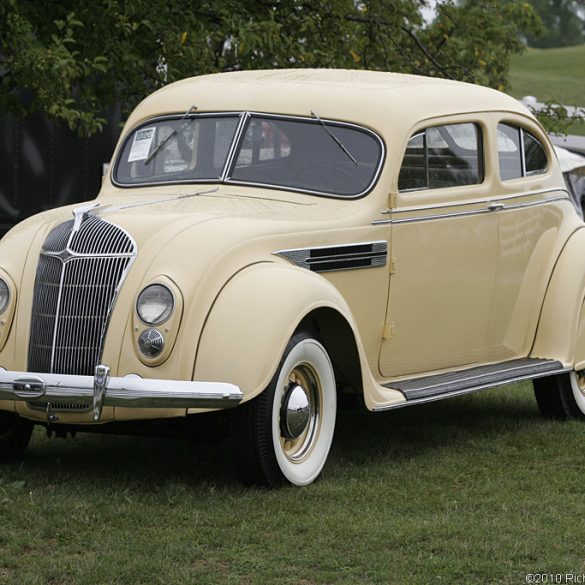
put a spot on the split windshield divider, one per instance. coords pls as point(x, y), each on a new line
point(234, 147)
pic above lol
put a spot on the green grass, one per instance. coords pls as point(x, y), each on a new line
point(551, 74)
point(478, 489)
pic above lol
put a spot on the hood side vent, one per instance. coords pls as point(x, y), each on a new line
point(341, 257)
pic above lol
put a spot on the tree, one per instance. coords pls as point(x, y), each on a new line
point(564, 23)
point(74, 58)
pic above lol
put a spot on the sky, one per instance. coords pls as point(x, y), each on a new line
point(429, 13)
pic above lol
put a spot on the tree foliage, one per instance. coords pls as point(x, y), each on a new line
point(564, 23)
point(74, 58)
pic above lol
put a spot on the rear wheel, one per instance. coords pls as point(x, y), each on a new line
point(562, 396)
point(285, 433)
point(15, 433)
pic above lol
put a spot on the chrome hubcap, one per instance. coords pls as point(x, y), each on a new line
point(300, 412)
point(295, 413)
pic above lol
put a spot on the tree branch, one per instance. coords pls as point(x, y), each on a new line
point(406, 30)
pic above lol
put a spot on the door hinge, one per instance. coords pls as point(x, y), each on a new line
point(389, 330)
point(392, 264)
point(392, 200)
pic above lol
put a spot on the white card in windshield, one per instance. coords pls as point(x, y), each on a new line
point(141, 144)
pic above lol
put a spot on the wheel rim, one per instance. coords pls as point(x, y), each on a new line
point(300, 412)
point(578, 387)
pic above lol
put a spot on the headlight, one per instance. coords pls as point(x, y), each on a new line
point(4, 295)
point(155, 304)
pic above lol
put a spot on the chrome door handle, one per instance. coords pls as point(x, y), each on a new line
point(496, 206)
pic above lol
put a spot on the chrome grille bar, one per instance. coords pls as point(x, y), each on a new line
point(81, 269)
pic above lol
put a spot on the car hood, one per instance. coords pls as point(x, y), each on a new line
point(183, 234)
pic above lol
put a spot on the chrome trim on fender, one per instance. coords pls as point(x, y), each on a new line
point(101, 390)
point(338, 256)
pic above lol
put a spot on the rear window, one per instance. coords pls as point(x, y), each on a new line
point(520, 154)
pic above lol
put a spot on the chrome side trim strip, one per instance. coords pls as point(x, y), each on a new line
point(535, 203)
point(473, 201)
point(469, 213)
point(338, 256)
point(431, 217)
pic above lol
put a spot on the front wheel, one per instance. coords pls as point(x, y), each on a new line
point(562, 396)
point(286, 432)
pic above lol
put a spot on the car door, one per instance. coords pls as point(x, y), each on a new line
point(534, 223)
point(444, 248)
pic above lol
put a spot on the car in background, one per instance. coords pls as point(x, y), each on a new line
point(573, 169)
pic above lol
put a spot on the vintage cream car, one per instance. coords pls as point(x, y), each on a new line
point(274, 240)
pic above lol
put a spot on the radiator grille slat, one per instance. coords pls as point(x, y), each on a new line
point(78, 277)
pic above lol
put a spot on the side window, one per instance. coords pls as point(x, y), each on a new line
point(534, 155)
point(519, 152)
point(442, 156)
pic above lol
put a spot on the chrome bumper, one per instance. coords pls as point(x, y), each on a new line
point(102, 390)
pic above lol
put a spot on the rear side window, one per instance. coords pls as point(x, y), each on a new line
point(520, 153)
point(442, 156)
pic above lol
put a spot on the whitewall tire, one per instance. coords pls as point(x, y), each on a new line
point(286, 432)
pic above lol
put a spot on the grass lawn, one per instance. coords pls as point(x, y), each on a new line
point(475, 490)
point(551, 74)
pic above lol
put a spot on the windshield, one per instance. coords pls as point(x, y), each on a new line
point(274, 151)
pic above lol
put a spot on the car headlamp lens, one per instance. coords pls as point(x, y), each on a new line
point(155, 304)
point(4, 295)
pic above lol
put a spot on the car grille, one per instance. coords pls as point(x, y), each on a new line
point(81, 268)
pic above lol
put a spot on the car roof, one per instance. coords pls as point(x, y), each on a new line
point(381, 100)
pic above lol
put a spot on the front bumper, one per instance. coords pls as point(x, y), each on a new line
point(102, 390)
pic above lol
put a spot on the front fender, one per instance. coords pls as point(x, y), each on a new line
point(252, 320)
point(561, 327)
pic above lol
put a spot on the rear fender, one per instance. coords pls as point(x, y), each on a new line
point(561, 329)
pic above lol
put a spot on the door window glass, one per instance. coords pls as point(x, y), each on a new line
point(442, 156)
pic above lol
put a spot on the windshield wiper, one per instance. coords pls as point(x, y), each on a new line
point(173, 133)
point(337, 141)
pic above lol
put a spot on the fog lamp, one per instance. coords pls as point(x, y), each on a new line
point(151, 342)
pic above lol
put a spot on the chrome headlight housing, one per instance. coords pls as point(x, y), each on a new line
point(7, 305)
point(4, 295)
point(155, 304)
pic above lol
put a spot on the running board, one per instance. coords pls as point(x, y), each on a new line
point(440, 386)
